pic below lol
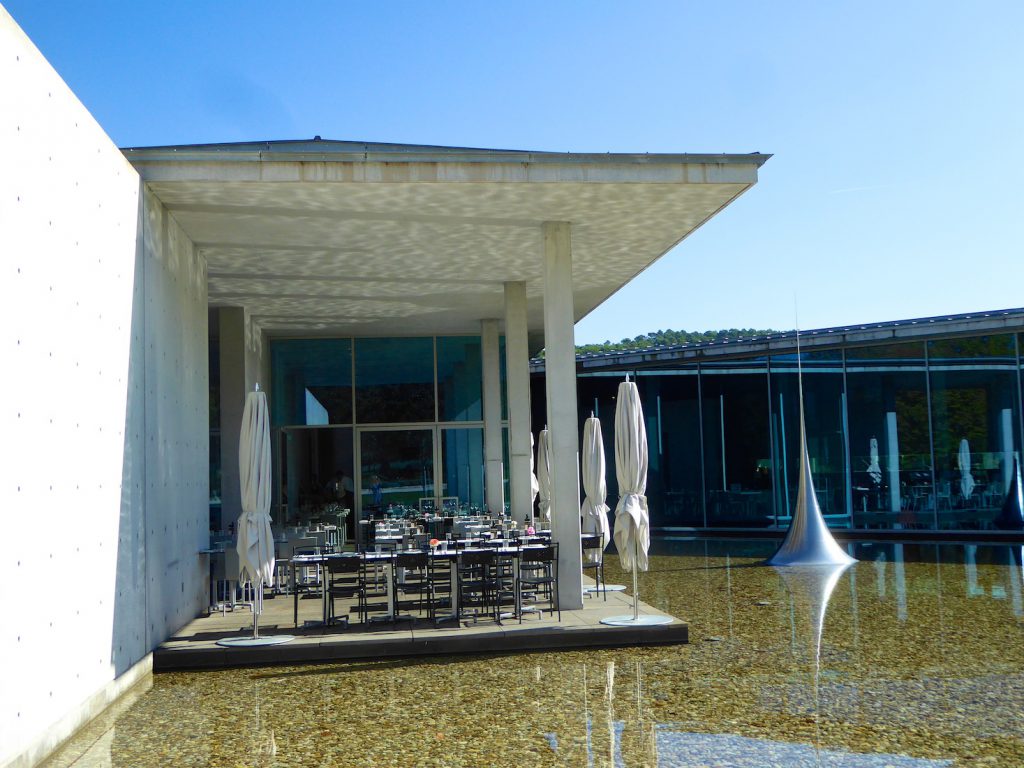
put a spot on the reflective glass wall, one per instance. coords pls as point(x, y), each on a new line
point(914, 435)
point(737, 443)
point(976, 423)
point(887, 392)
point(672, 414)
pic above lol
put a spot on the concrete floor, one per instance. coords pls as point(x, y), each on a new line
point(194, 646)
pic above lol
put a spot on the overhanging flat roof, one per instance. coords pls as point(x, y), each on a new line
point(334, 237)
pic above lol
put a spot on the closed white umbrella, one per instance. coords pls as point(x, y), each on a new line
point(544, 474)
point(632, 523)
point(534, 483)
point(594, 511)
point(874, 469)
point(255, 536)
point(963, 461)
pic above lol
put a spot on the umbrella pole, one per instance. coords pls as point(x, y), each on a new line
point(257, 606)
point(636, 597)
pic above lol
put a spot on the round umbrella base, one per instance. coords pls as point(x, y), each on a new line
point(249, 642)
point(606, 588)
point(643, 620)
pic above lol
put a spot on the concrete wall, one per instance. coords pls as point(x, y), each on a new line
point(103, 413)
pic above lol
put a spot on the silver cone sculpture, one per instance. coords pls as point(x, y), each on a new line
point(1011, 517)
point(808, 541)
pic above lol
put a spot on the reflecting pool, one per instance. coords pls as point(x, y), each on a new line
point(912, 657)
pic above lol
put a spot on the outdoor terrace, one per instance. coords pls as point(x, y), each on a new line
point(195, 645)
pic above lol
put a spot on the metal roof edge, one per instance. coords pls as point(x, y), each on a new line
point(415, 154)
point(852, 335)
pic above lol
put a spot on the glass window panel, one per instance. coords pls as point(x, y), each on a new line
point(975, 418)
point(315, 475)
point(671, 413)
point(826, 446)
point(394, 380)
point(737, 444)
point(890, 454)
point(459, 378)
point(311, 381)
point(397, 470)
point(462, 463)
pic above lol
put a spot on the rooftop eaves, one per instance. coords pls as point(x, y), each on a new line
point(967, 324)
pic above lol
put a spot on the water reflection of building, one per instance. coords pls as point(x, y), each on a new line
point(887, 408)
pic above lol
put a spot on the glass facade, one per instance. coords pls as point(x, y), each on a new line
point(911, 435)
point(908, 435)
point(389, 421)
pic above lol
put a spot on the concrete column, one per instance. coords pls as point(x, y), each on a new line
point(491, 358)
point(517, 369)
point(233, 388)
point(560, 379)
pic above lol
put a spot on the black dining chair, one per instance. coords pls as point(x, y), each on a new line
point(476, 584)
point(593, 560)
point(538, 577)
point(345, 581)
point(415, 581)
point(375, 582)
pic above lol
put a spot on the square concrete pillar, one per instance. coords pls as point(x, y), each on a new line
point(517, 371)
point(560, 378)
point(493, 464)
point(231, 330)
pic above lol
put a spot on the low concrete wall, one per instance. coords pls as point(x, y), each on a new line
point(103, 412)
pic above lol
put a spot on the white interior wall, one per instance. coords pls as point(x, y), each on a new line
point(103, 412)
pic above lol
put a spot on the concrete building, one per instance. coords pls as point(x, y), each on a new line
point(111, 262)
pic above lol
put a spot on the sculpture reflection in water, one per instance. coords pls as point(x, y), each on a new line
point(634, 740)
point(812, 586)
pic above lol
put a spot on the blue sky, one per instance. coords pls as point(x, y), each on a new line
point(894, 190)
